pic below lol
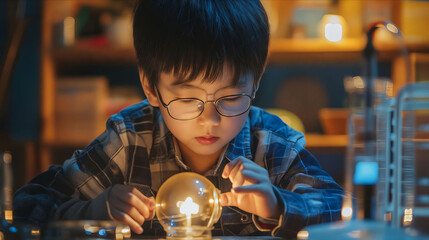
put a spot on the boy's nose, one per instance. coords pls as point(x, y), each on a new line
point(209, 116)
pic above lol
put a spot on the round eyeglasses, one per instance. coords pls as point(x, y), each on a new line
point(190, 108)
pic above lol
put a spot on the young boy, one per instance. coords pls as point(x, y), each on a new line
point(200, 63)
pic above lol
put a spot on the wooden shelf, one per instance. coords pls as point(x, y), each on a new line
point(69, 143)
point(326, 141)
point(106, 56)
point(281, 51)
point(315, 45)
point(315, 50)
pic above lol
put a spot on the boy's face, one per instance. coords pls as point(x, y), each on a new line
point(208, 133)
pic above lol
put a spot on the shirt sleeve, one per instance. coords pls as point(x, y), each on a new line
point(79, 188)
point(308, 196)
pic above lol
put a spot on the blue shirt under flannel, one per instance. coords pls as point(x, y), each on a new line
point(138, 149)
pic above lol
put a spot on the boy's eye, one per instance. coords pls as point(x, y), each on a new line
point(231, 98)
point(187, 100)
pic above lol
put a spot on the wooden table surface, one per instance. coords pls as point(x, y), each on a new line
point(225, 238)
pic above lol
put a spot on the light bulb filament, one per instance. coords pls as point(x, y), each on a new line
point(188, 207)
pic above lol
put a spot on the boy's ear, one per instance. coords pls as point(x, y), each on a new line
point(149, 92)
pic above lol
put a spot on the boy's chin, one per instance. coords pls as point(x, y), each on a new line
point(207, 149)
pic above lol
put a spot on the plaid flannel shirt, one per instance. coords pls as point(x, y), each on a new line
point(138, 149)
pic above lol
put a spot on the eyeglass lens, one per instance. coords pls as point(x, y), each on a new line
point(192, 108)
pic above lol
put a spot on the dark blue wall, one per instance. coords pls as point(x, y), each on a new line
point(3, 27)
point(23, 110)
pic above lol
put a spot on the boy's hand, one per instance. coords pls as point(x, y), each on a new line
point(129, 206)
point(252, 189)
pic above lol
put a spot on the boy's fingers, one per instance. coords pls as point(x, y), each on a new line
point(244, 163)
point(131, 211)
point(229, 167)
point(149, 201)
point(151, 214)
point(253, 166)
point(125, 218)
point(133, 197)
point(228, 199)
point(152, 210)
point(251, 177)
point(122, 188)
point(246, 171)
point(235, 175)
point(245, 177)
point(132, 200)
point(254, 188)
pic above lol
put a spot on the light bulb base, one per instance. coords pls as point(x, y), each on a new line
point(193, 233)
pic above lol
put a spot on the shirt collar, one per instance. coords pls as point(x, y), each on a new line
point(214, 170)
point(240, 145)
point(178, 156)
point(179, 161)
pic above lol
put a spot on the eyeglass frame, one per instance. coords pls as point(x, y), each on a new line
point(204, 104)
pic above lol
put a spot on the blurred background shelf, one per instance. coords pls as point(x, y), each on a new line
point(82, 39)
point(326, 141)
point(349, 50)
point(84, 55)
point(305, 72)
point(282, 50)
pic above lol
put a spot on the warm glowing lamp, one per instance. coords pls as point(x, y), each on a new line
point(408, 216)
point(347, 209)
point(333, 27)
point(346, 212)
point(187, 206)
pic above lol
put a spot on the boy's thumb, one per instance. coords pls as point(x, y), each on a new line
point(151, 203)
point(152, 207)
point(228, 199)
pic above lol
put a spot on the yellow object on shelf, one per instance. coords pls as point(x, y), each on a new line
point(334, 120)
point(288, 117)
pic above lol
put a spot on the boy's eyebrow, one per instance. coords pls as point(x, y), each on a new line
point(186, 85)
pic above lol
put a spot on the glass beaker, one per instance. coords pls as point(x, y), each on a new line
point(385, 136)
point(361, 163)
point(411, 202)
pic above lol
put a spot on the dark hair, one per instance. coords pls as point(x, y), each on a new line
point(197, 37)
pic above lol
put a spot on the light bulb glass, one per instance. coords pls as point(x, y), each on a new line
point(187, 206)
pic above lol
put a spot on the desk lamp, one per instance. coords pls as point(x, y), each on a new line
point(363, 160)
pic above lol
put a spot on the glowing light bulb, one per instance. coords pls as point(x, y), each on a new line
point(346, 213)
point(333, 32)
point(332, 27)
point(187, 206)
point(408, 216)
point(347, 209)
point(302, 235)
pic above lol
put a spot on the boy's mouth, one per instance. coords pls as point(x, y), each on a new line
point(206, 140)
